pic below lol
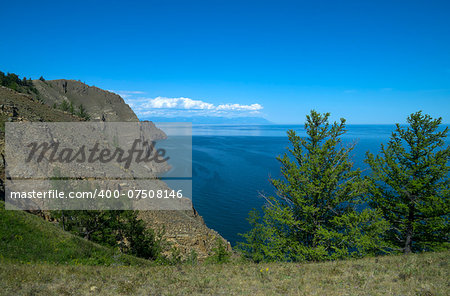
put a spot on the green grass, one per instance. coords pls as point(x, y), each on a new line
point(28, 239)
point(419, 274)
point(38, 258)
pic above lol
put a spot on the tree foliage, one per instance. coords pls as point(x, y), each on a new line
point(65, 106)
point(219, 254)
point(315, 214)
point(83, 113)
point(12, 81)
point(69, 107)
point(121, 229)
point(410, 184)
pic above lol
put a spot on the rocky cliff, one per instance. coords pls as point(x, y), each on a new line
point(185, 229)
point(99, 103)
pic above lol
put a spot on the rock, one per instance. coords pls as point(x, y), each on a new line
point(185, 229)
point(100, 104)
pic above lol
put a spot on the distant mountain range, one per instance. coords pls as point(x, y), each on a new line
point(211, 120)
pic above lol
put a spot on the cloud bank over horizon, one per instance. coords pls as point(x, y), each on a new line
point(185, 107)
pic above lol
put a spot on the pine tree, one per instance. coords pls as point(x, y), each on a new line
point(82, 112)
point(120, 229)
point(315, 215)
point(71, 108)
point(410, 184)
point(64, 105)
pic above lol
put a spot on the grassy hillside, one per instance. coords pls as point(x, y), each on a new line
point(26, 108)
point(38, 258)
point(98, 102)
point(424, 274)
point(28, 239)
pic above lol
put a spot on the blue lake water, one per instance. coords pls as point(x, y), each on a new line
point(232, 165)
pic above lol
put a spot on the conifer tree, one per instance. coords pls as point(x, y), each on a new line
point(65, 106)
point(71, 108)
point(315, 215)
point(410, 184)
point(83, 113)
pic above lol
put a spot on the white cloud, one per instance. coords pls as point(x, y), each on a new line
point(184, 107)
point(177, 103)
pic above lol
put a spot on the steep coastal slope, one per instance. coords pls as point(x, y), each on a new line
point(100, 104)
point(29, 239)
point(16, 106)
point(185, 229)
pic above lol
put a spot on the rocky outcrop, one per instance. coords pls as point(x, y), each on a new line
point(185, 229)
point(16, 106)
point(100, 104)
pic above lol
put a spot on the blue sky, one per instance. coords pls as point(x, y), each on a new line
point(367, 61)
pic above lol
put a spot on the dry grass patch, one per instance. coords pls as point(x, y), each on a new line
point(422, 274)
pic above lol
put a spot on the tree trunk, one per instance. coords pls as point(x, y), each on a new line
point(409, 230)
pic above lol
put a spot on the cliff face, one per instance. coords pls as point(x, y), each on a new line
point(16, 106)
point(185, 229)
point(100, 104)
